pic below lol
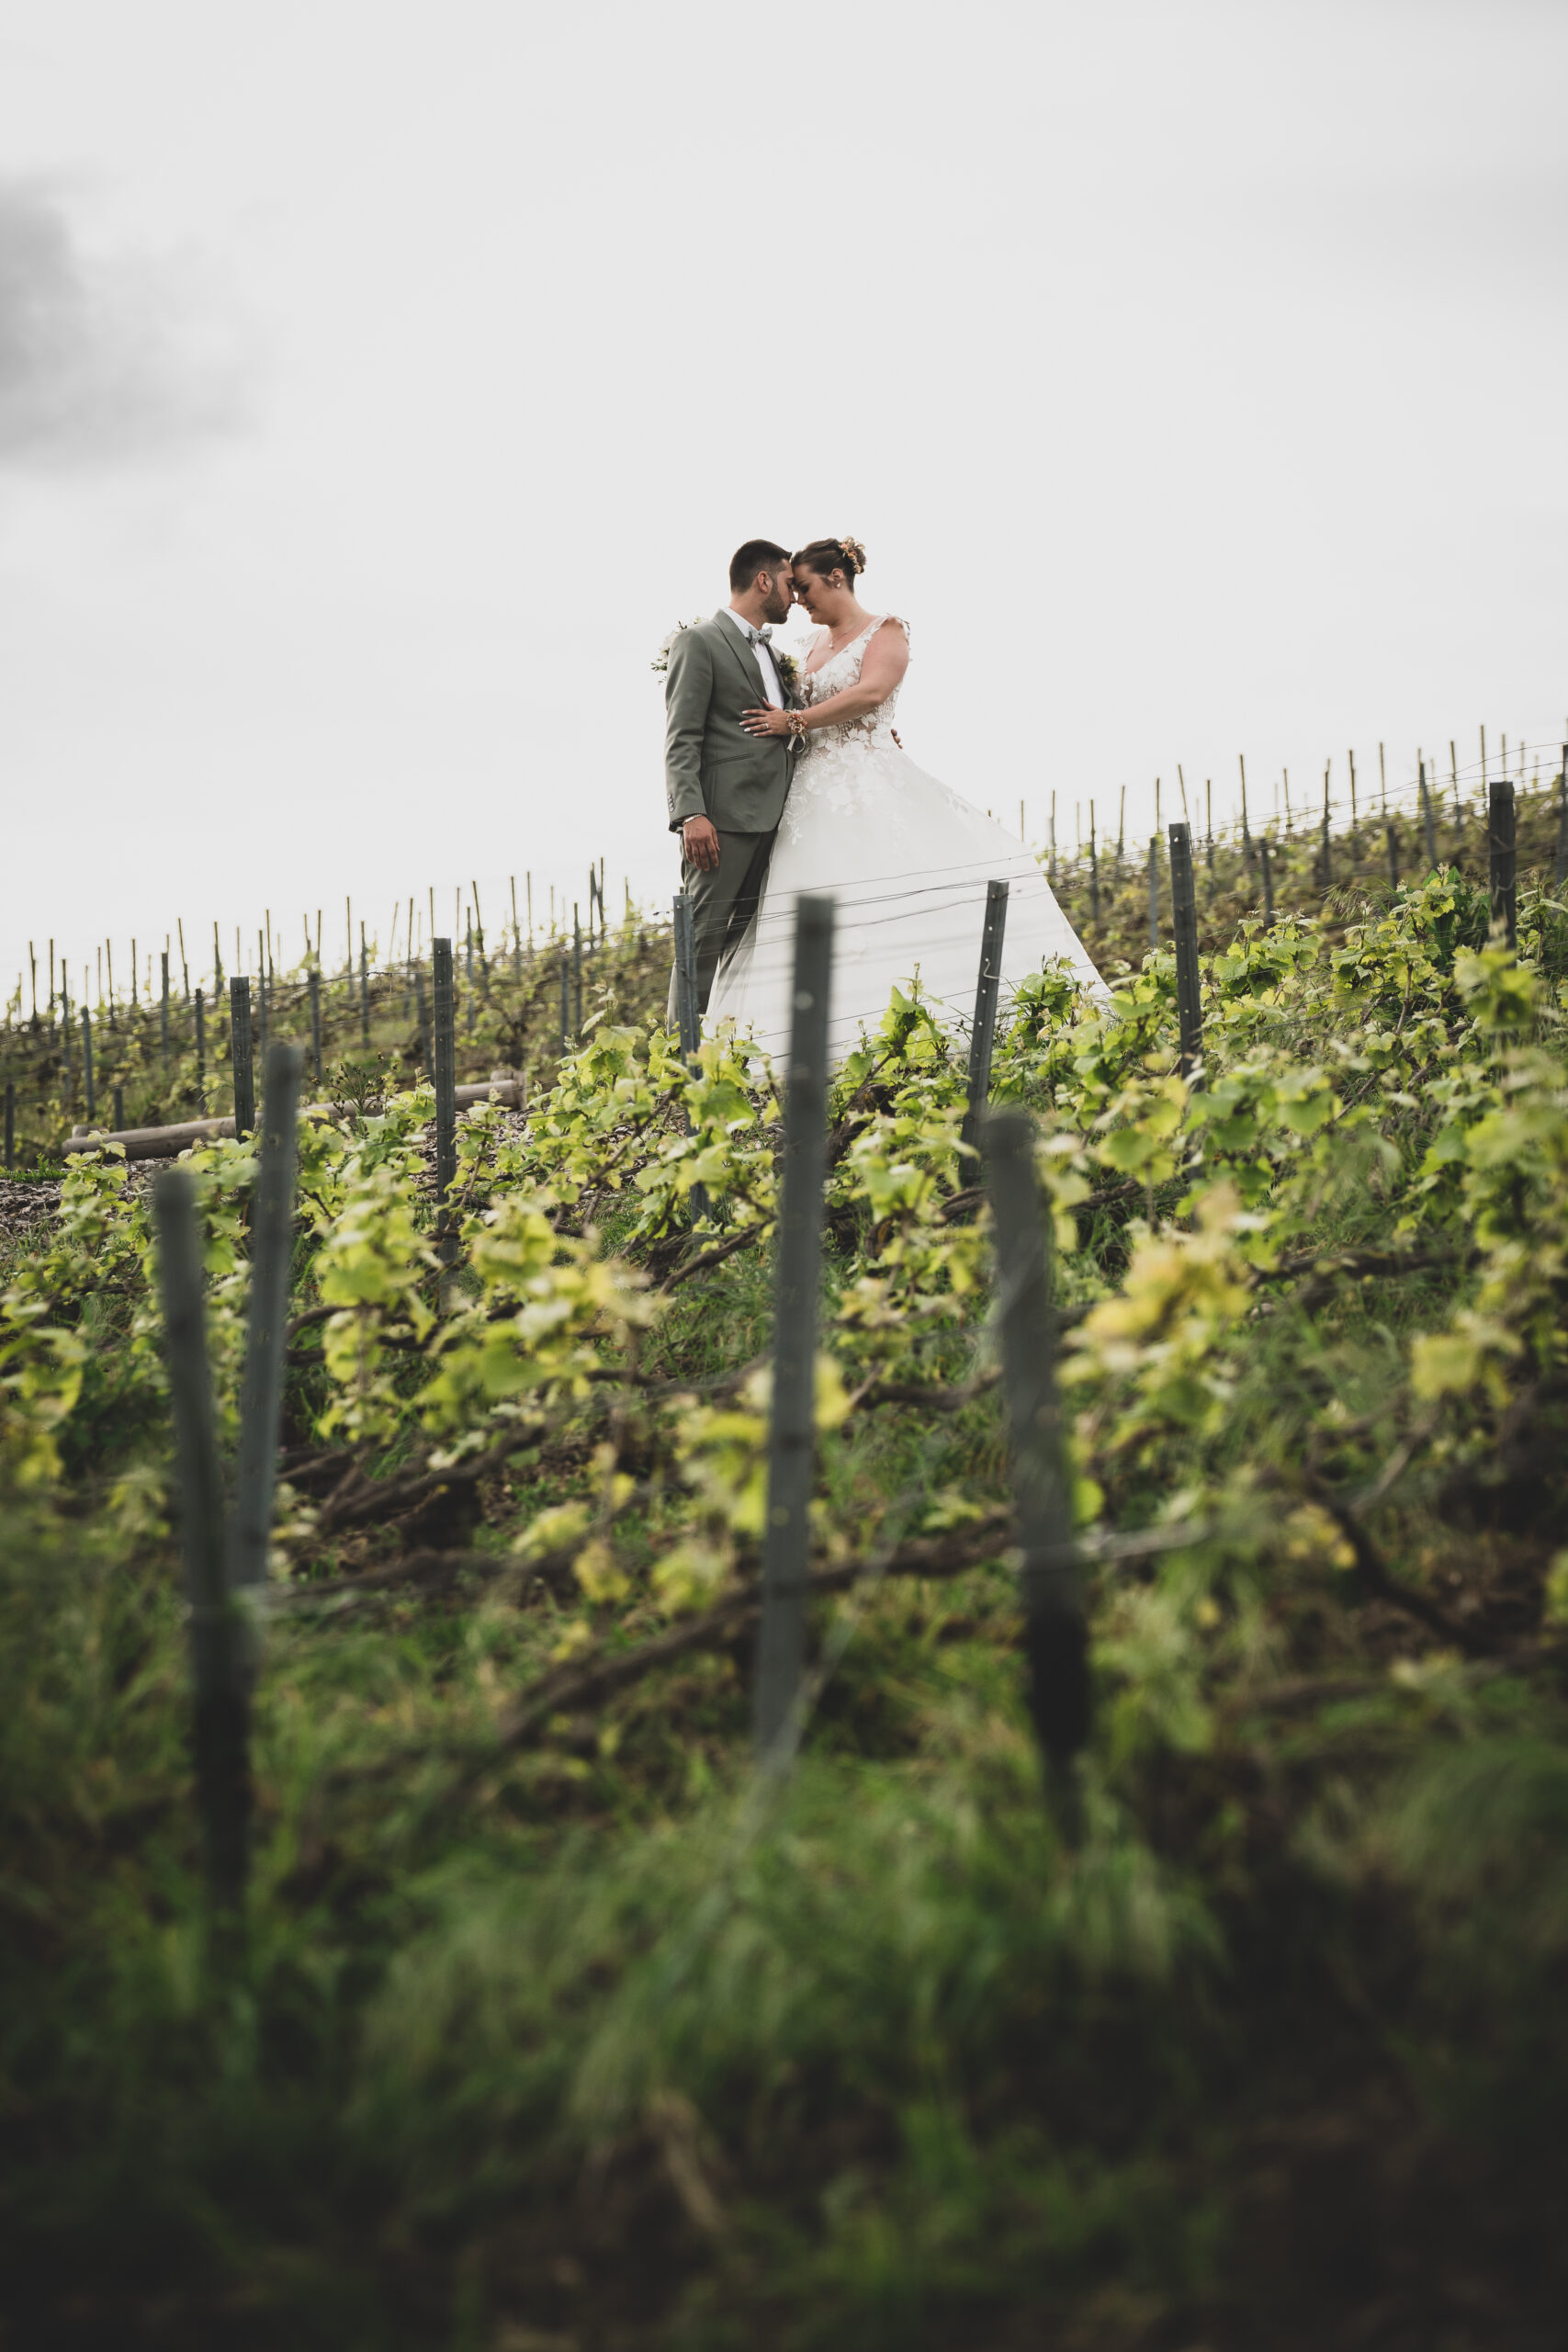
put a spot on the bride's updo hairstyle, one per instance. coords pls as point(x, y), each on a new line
point(824, 556)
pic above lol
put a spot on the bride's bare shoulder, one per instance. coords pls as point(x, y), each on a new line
point(887, 648)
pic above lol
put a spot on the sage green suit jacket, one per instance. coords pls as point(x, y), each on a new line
point(712, 767)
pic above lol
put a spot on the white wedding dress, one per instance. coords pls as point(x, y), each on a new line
point(906, 861)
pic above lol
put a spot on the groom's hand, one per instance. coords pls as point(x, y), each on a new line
point(701, 843)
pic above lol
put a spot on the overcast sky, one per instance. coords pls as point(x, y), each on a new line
point(379, 384)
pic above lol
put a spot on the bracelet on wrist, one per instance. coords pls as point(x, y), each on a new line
point(795, 724)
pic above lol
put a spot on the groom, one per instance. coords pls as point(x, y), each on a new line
point(725, 790)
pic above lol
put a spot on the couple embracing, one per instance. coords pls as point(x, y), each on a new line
point(783, 775)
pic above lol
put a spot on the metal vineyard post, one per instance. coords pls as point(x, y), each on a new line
point(1056, 1634)
point(243, 1055)
point(982, 1036)
point(88, 1087)
point(1562, 872)
point(219, 1666)
point(781, 1647)
point(446, 1072)
point(1184, 919)
point(1154, 894)
point(1267, 885)
point(315, 984)
point(445, 1106)
point(687, 1019)
point(272, 1247)
point(1500, 860)
point(1426, 813)
point(1392, 856)
point(1327, 846)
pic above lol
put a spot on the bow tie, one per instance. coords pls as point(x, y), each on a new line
point(759, 636)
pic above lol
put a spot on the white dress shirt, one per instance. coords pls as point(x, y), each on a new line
point(764, 659)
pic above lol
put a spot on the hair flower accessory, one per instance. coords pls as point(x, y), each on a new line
point(856, 552)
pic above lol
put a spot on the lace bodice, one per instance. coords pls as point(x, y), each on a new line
point(841, 669)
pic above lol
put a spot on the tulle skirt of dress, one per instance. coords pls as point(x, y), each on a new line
point(907, 862)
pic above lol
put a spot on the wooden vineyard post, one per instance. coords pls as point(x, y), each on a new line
point(1154, 894)
point(1500, 860)
point(315, 988)
point(244, 1057)
point(1093, 871)
point(565, 1000)
point(164, 1009)
point(88, 1088)
point(200, 1046)
point(516, 937)
point(983, 1036)
point(220, 1660)
point(1268, 887)
point(1184, 921)
point(577, 975)
point(261, 998)
point(10, 1123)
point(363, 991)
point(1561, 874)
point(1055, 1635)
point(781, 1645)
point(272, 1247)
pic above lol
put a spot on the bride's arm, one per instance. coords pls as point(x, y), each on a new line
point(886, 659)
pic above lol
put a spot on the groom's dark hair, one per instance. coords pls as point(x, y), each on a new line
point(757, 555)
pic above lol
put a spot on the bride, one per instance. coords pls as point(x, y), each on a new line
point(906, 859)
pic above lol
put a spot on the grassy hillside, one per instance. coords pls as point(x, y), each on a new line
point(549, 2026)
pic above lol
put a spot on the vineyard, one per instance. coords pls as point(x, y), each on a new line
point(550, 2024)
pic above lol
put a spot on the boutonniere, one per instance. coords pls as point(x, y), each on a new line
point(660, 661)
point(788, 669)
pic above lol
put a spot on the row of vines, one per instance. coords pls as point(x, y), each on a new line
point(572, 2031)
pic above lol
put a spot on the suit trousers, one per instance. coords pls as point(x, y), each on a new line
point(724, 903)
